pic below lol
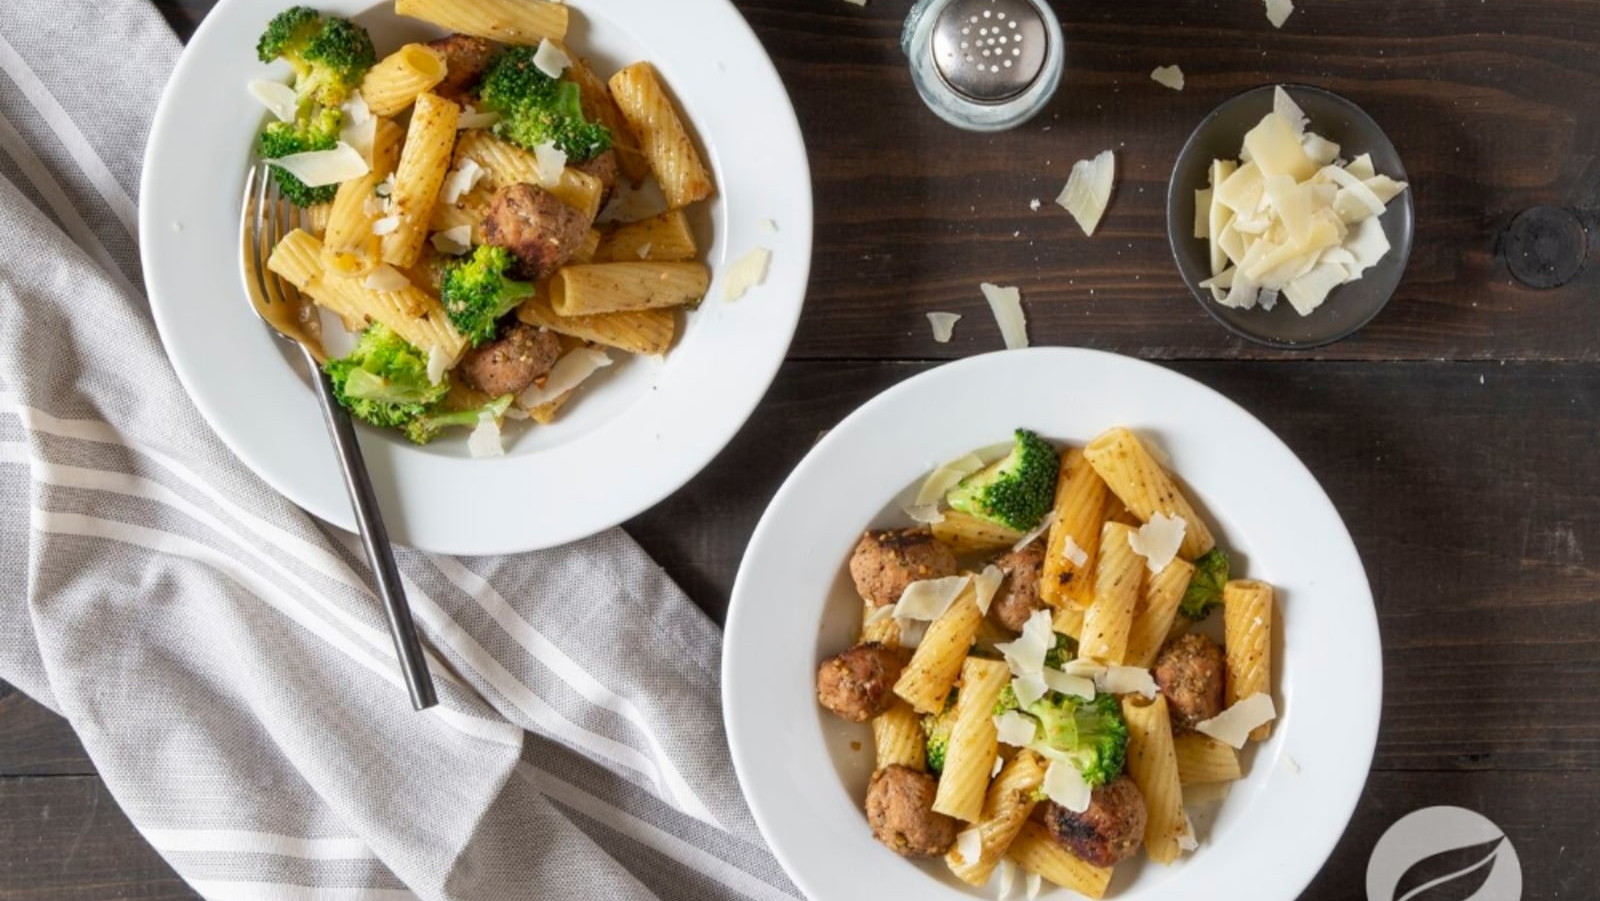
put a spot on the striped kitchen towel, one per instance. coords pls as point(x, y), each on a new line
point(220, 653)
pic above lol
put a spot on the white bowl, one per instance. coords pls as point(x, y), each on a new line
point(633, 436)
point(805, 771)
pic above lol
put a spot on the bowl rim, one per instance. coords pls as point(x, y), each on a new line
point(1203, 297)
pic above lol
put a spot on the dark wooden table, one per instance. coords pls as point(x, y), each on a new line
point(1457, 434)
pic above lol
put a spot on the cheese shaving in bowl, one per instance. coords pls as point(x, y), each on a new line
point(986, 584)
point(944, 325)
point(1158, 540)
point(278, 98)
point(1232, 726)
point(485, 440)
point(1015, 729)
point(1025, 655)
point(1126, 680)
point(946, 476)
point(1078, 686)
point(1006, 303)
point(476, 120)
point(1064, 785)
point(1033, 534)
point(1077, 556)
point(453, 241)
point(319, 168)
point(1088, 190)
point(1008, 879)
point(746, 272)
point(924, 514)
point(386, 278)
point(461, 180)
point(1029, 688)
point(928, 599)
point(550, 59)
point(570, 371)
point(387, 224)
point(551, 162)
point(1034, 884)
point(969, 845)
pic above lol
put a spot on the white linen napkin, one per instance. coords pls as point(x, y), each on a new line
point(219, 651)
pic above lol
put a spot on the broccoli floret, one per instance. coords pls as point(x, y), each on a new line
point(476, 292)
point(1091, 735)
point(319, 131)
point(1017, 491)
point(427, 427)
point(1205, 586)
point(1066, 648)
point(537, 109)
point(384, 380)
point(329, 56)
point(936, 726)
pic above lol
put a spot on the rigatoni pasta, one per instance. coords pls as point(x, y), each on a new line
point(897, 737)
point(663, 238)
point(1036, 852)
point(1118, 579)
point(665, 142)
point(1153, 617)
point(1074, 534)
point(1130, 471)
point(1154, 768)
point(396, 81)
point(970, 759)
point(508, 21)
point(618, 287)
point(1247, 622)
point(598, 106)
point(424, 161)
point(1011, 799)
point(1203, 760)
point(926, 680)
point(349, 247)
point(647, 332)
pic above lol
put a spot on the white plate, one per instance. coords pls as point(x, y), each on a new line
point(630, 438)
point(805, 771)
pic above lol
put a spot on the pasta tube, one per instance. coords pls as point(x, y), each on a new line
point(665, 142)
point(617, 287)
point(1153, 766)
point(897, 737)
point(647, 332)
point(1010, 801)
point(1035, 851)
point(884, 631)
point(663, 238)
point(1202, 759)
point(966, 532)
point(925, 682)
point(1118, 575)
point(505, 164)
point(394, 83)
point(1080, 511)
point(1136, 477)
point(508, 21)
point(349, 248)
point(599, 107)
point(1247, 641)
point(424, 161)
point(1153, 617)
point(969, 759)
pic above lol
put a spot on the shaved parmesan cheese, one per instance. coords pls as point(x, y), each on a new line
point(1085, 668)
point(355, 109)
point(1232, 726)
point(1383, 187)
point(569, 372)
point(1368, 243)
point(1015, 729)
point(1034, 884)
point(1125, 680)
point(1320, 149)
point(1025, 655)
point(386, 225)
point(438, 364)
point(550, 59)
point(925, 514)
point(1034, 204)
point(1074, 554)
point(1202, 214)
point(1275, 148)
point(746, 272)
point(1361, 167)
point(999, 764)
point(1088, 190)
point(1220, 283)
point(1307, 292)
point(1168, 77)
point(1079, 686)
point(361, 136)
point(947, 476)
point(1064, 785)
point(944, 325)
point(485, 440)
point(317, 168)
point(1278, 12)
point(551, 162)
point(1241, 190)
point(1284, 105)
point(1354, 200)
point(911, 632)
point(1008, 878)
point(1006, 303)
point(1035, 532)
point(879, 614)
point(969, 845)
point(476, 120)
point(767, 227)
point(453, 241)
point(928, 599)
point(1290, 764)
point(386, 278)
point(1187, 841)
point(461, 179)
point(1029, 688)
point(1268, 298)
point(1158, 540)
point(986, 584)
point(278, 98)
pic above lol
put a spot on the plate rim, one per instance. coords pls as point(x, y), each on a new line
point(162, 288)
point(1175, 232)
point(740, 604)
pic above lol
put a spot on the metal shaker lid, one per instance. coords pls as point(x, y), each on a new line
point(989, 50)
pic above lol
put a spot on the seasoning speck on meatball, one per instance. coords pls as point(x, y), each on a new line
point(900, 809)
point(1191, 672)
point(1109, 830)
point(1018, 597)
point(885, 562)
point(857, 684)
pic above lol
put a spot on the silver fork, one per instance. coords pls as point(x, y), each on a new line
point(264, 219)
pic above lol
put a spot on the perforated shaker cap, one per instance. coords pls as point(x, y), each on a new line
point(990, 51)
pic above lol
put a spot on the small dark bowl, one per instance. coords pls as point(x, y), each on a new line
point(1219, 136)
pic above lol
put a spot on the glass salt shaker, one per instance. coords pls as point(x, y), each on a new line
point(984, 65)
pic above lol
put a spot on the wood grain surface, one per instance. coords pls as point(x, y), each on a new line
point(1457, 434)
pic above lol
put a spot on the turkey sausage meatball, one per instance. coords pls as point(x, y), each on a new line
point(885, 562)
point(1109, 830)
point(1190, 671)
point(1018, 597)
point(900, 809)
point(856, 684)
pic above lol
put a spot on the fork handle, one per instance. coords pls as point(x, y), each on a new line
point(375, 538)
